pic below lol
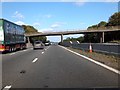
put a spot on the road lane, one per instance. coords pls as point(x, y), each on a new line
point(13, 64)
point(58, 68)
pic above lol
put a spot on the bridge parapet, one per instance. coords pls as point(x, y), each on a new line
point(71, 32)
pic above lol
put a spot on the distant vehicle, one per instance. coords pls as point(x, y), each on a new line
point(11, 36)
point(38, 45)
point(47, 43)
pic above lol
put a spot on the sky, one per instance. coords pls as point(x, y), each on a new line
point(58, 16)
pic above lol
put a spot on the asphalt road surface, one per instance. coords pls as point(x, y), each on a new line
point(53, 67)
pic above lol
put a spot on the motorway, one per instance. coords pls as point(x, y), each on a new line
point(53, 67)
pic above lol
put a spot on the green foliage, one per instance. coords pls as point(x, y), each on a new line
point(29, 29)
point(38, 38)
point(114, 20)
point(92, 38)
point(80, 39)
point(93, 27)
point(102, 24)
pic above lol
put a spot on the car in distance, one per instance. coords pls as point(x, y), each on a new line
point(47, 43)
point(38, 45)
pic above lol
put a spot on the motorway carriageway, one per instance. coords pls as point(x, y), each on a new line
point(53, 67)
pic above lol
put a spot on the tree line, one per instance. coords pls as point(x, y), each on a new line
point(30, 29)
point(113, 23)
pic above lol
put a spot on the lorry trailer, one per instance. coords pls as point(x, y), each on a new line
point(11, 36)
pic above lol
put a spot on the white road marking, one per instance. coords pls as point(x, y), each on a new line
point(34, 60)
point(47, 48)
point(96, 62)
point(42, 52)
point(7, 87)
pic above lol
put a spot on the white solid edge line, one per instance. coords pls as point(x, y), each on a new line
point(96, 62)
point(7, 87)
point(34, 60)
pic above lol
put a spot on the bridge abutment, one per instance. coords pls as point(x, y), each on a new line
point(28, 42)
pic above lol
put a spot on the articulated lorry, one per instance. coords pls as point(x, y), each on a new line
point(11, 36)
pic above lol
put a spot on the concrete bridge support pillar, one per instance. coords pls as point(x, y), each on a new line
point(61, 38)
point(28, 39)
point(102, 37)
point(28, 43)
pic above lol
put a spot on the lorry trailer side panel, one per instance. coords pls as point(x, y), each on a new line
point(12, 36)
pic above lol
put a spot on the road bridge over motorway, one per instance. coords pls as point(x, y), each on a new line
point(100, 32)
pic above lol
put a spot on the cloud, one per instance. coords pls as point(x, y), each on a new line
point(58, 24)
point(18, 15)
point(46, 30)
point(53, 28)
point(48, 16)
point(36, 24)
point(80, 2)
point(20, 23)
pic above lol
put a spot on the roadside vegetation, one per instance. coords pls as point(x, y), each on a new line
point(30, 29)
point(114, 37)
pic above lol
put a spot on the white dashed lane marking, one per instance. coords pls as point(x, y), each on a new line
point(42, 52)
point(34, 60)
point(7, 87)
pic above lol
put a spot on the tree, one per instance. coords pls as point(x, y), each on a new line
point(93, 27)
point(91, 38)
point(39, 38)
point(114, 20)
point(80, 39)
point(29, 29)
point(102, 24)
